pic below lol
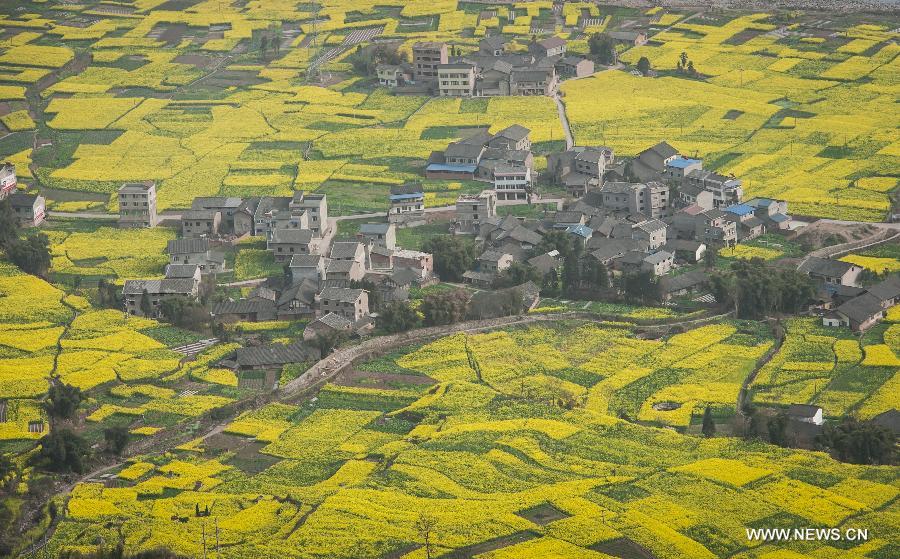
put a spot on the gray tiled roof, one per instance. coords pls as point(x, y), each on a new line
point(305, 261)
point(273, 355)
point(341, 294)
point(187, 246)
point(824, 267)
point(292, 236)
point(177, 286)
point(345, 249)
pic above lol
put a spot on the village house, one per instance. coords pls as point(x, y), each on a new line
point(157, 291)
point(683, 285)
point(748, 225)
point(422, 263)
point(308, 267)
point(806, 413)
point(271, 357)
point(574, 67)
point(830, 273)
point(773, 213)
point(28, 208)
point(514, 137)
point(706, 226)
point(382, 235)
point(200, 223)
point(580, 168)
point(350, 251)
point(195, 252)
point(381, 258)
point(352, 304)
point(692, 195)
point(316, 207)
point(8, 180)
point(863, 311)
point(546, 48)
point(651, 199)
point(629, 38)
point(494, 262)
point(393, 75)
point(472, 210)
point(137, 205)
point(285, 243)
point(651, 230)
point(327, 325)
point(685, 250)
point(726, 191)
point(650, 164)
point(492, 46)
point(227, 206)
point(341, 273)
point(678, 168)
point(512, 182)
point(407, 204)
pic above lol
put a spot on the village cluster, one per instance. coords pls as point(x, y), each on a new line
point(653, 213)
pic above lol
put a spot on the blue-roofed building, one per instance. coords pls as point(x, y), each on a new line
point(679, 167)
point(773, 213)
point(741, 210)
point(581, 231)
point(407, 204)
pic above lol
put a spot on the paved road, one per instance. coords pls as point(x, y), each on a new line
point(564, 120)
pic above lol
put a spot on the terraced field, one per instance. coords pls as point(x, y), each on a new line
point(509, 444)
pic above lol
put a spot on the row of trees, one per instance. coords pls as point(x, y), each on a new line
point(755, 289)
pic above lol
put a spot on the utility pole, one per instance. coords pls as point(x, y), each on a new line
point(203, 531)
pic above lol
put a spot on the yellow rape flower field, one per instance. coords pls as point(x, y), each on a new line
point(514, 437)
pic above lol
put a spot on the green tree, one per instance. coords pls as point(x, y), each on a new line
point(62, 450)
point(517, 274)
point(453, 255)
point(709, 426)
point(398, 317)
point(690, 69)
point(62, 400)
point(683, 59)
point(325, 342)
point(643, 65)
point(550, 284)
point(31, 254)
point(146, 306)
point(859, 442)
point(9, 224)
point(116, 439)
point(603, 48)
point(641, 287)
point(777, 428)
point(445, 308)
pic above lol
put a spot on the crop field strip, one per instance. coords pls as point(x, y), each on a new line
point(476, 445)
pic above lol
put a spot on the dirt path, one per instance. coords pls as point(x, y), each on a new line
point(744, 393)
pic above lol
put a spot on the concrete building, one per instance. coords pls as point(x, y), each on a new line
point(456, 79)
point(407, 204)
point(474, 209)
point(651, 199)
point(308, 267)
point(8, 180)
point(157, 291)
point(137, 205)
point(512, 182)
point(426, 57)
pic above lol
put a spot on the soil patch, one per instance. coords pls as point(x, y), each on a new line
point(247, 457)
point(543, 514)
point(491, 545)
point(623, 548)
point(385, 381)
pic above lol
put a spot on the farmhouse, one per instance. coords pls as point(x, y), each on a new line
point(407, 204)
point(382, 235)
point(285, 243)
point(830, 273)
point(156, 291)
point(29, 208)
point(352, 304)
point(805, 413)
point(200, 223)
point(195, 252)
point(137, 205)
point(328, 324)
point(472, 210)
point(307, 267)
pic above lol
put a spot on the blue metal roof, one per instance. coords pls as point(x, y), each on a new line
point(397, 197)
point(739, 209)
point(580, 230)
point(452, 168)
point(683, 162)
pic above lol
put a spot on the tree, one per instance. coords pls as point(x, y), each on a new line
point(603, 48)
point(62, 400)
point(517, 274)
point(642, 287)
point(263, 45)
point(709, 258)
point(643, 65)
point(398, 317)
point(445, 308)
point(709, 426)
point(571, 279)
point(683, 59)
point(9, 224)
point(184, 312)
point(452, 256)
point(690, 69)
point(777, 428)
point(31, 254)
point(62, 451)
point(325, 342)
point(146, 307)
point(425, 526)
point(116, 439)
point(859, 442)
point(6, 468)
point(550, 284)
